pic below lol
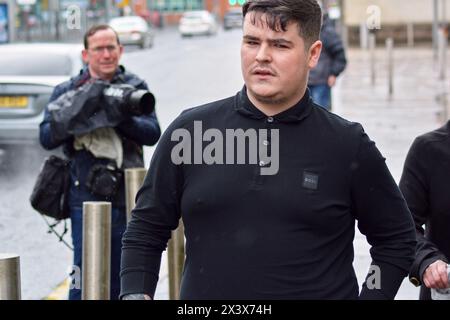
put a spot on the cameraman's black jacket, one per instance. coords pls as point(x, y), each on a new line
point(134, 131)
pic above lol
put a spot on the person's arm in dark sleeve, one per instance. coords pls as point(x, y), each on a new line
point(335, 48)
point(414, 186)
point(145, 129)
point(383, 217)
point(156, 214)
point(47, 136)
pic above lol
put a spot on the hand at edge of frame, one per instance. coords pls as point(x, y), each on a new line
point(435, 275)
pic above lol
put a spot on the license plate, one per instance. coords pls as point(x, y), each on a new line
point(13, 102)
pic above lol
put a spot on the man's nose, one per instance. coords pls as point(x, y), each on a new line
point(263, 53)
point(106, 53)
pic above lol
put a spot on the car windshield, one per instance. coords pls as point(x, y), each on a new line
point(35, 64)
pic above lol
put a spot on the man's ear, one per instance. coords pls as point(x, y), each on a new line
point(121, 49)
point(314, 54)
point(84, 56)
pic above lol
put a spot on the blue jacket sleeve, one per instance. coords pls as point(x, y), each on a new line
point(144, 130)
point(46, 137)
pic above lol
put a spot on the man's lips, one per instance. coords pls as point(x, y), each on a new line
point(263, 72)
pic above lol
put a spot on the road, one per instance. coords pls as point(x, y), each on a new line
point(182, 73)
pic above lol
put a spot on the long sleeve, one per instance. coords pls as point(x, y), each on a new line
point(383, 217)
point(157, 212)
point(144, 130)
point(46, 136)
point(414, 185)
point(335, 49)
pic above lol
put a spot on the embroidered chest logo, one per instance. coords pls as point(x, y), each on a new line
point(310, 180)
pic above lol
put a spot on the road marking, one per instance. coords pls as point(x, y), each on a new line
point(60, 292)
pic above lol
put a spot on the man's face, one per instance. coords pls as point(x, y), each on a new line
point(275, 65)
point(103, 54)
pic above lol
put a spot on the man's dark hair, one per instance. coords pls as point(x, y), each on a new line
point(279, 13)
point(93, 30)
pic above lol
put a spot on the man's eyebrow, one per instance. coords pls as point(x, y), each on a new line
point(247, 37)
point(281, 41)
point(272, 41)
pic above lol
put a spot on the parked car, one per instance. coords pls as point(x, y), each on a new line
point(133, 30)
point(197, 23)
point(28, 75)
point(233, 19)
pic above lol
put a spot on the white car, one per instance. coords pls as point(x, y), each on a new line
point(197, 23)
point(133, 30)
point(28, 76)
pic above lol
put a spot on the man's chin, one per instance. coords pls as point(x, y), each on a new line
point(264, 95)
point(108, 73)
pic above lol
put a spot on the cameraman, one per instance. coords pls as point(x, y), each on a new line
point(101, 54)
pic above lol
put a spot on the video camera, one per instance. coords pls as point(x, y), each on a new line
point(130, 100)
point(97, 104)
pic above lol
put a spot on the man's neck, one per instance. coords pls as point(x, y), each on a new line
point(97, 76)
point(274, 107)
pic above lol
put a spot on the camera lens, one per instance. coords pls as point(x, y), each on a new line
point(141, 102)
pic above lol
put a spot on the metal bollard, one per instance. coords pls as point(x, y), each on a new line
point(134, 177)
point(435, 29)
point(410, 34)
point(372, 45)
point(363, 35)
point(10, 277)
point(443, 43)
point(96, 271)
point(390, 53)
point(175, 257)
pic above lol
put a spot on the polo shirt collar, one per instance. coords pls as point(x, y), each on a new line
point(296, 113)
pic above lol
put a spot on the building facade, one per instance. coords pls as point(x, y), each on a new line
point(404, 21)
point(171, 10)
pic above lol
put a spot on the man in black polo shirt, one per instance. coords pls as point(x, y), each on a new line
point(269, 185)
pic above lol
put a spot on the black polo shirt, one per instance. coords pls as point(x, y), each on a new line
point(287, 235)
